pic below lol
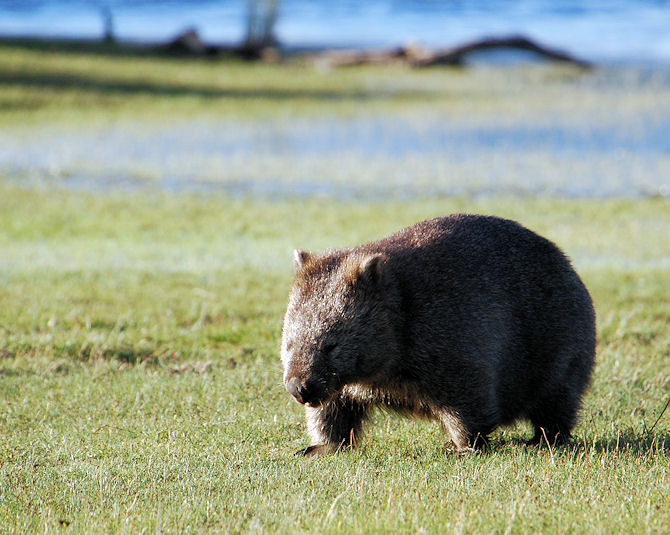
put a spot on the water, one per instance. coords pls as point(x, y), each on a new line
point(366, 158)
point(597, 30)
point(606, 134)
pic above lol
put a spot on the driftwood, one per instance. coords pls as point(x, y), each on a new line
point(189, 43)
point(418, 57)
point(345, 58)
point(456, 55)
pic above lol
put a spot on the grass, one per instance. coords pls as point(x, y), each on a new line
point(46, 82)
point(77, 84)
point(141, 380)
point(140, 383)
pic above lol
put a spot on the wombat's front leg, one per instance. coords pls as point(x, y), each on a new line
point(335, 425)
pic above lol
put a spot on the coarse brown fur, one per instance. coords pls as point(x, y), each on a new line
point(473, 321)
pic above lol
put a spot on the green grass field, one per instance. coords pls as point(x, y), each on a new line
point(92, 84)
point(140, 382)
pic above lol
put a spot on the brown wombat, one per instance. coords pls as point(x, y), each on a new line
point(471, 320)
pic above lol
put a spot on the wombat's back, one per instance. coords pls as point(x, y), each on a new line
point(487, 295)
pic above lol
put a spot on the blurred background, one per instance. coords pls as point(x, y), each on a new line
point(161, 160)
point(601, 30)
point(510, 122)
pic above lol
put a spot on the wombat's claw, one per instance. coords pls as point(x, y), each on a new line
point(453, 449)
point(481, 445)
point(305, 452)
point(314, 450)
point(541, 440)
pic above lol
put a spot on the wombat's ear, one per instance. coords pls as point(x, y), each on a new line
point(371, 270)
point(299, 259)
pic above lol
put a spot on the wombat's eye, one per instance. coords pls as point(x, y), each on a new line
point(328, 348)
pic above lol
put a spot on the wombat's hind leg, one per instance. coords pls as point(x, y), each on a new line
point(552, 435)
point(335, 425)
point(457, 432)
point(553, 421)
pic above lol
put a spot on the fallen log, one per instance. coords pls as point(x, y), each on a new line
point(420, 57)
point(455, 56)
point(189, 43)
point(348, 58)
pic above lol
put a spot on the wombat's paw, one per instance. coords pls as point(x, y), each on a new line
point(535, 441)
point(453, 449)
point(553, 440)
point(481, 444)
point(315, 449)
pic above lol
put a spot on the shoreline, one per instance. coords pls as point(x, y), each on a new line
point(96, 121)
point(195, 48)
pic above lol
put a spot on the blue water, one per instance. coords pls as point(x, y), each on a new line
point(597, 30)
point(584, 155)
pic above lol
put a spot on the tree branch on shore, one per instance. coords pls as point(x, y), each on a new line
point(418, 57)
point(189, 42)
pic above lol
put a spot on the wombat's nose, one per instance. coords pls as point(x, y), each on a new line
point(296, 389)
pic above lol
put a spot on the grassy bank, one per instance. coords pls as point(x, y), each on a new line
point(98, 117)
point(141, 388)
point(92, 84)
point(84, 83)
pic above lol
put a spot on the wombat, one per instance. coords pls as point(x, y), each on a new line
point(474, 321)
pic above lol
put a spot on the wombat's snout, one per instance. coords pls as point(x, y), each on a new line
point(297, 390)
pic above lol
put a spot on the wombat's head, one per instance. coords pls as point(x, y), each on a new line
point(337, 328)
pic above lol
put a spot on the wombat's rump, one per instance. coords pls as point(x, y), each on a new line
point(474, 321)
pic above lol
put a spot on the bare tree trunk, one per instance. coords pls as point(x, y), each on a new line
point(108, 23)
point(260, 24)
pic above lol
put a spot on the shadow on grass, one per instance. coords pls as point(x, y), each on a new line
point(23, 104)
point(117, 87)
point(639, 444)
point(123, 354)
point(10, 372)
point(109, 86)
point(102, 48)
point(61, 357)
point(630, 442)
